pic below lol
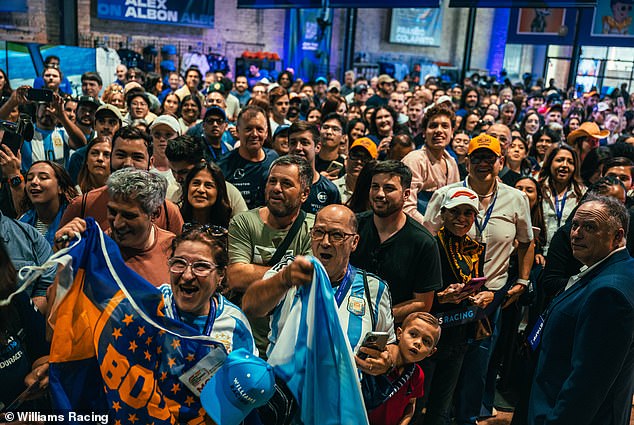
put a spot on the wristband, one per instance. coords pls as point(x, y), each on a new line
point(523, 282)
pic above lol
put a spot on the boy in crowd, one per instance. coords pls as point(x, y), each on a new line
point(417, 339)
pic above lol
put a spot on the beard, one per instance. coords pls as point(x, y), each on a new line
point(386, 209)
point(284, 209)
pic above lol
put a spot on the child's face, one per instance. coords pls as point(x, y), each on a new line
point(417, 340)
point(620, 11)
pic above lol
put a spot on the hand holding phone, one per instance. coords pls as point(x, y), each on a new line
point(39, 95)
point(474, 285)
point(374, 340)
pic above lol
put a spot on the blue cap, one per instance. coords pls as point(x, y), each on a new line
point(168, 65)
point(169, 49)
point(281, 128)
point(216, 111)
point(243, 383)
point(321, 80)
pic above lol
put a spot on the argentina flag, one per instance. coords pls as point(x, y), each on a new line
point(114, 349)
point(313, 356)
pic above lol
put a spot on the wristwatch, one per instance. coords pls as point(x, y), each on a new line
point(16, 180)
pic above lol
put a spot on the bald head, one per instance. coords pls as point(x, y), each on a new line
point(502, 133)
point(337, 213)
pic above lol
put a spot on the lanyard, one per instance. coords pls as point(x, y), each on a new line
point(223, 150)
point(345, 285)
point(487, 215)
point(211, 318)
point(560, 211)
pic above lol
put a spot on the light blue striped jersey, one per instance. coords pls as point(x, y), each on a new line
point(353, 312)
point(49, 145)
point(231, 327)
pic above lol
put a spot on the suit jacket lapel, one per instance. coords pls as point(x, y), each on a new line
point(615, 258)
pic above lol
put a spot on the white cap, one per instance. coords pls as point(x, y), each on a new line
point(167, 120)
point(461, 196)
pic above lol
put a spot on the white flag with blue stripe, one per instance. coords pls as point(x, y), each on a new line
point(313, 356)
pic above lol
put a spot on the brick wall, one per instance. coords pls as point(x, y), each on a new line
point(40, 24)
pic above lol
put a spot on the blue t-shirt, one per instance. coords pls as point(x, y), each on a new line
point(322, 193)
point(249, 177)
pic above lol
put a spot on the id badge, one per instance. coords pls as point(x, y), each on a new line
point(196, 377)
point(535, 337)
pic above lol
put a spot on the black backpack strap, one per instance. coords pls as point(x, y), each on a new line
point(83, 205)
point(369, 298)
point(281, 249)
point(167, 216)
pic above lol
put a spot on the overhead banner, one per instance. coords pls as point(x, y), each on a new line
point(498, 4)
point(542, 26)
point(418, 27)
point(609, 24)
point(13, 6)
point(307, 43)
point(199, 13)
point(342, 4)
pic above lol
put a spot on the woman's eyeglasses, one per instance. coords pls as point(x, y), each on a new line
point(199, 268)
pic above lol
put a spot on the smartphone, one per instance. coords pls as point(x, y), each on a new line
point(536, 232)
point(334, 165)
point(374, 340)
point(13, 141)
point(39, 95)
point(474, 285)
point(620, 102)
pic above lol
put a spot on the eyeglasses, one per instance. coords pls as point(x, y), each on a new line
point(335, 237)
point(489, 159)
point(199, 268)
point(212, 121)
point(355, 156)
point(211, 229)
point(626, 8)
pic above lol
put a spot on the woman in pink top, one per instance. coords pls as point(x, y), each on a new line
point(432, 167)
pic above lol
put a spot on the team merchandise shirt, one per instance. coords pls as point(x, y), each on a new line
point(49, 145)
point(322, 193)
point(230, 325)
point(249, 177)
point(353, 311)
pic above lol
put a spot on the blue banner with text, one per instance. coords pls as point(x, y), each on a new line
point(191, 13)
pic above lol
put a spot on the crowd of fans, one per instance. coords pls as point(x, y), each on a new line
point(444, 210)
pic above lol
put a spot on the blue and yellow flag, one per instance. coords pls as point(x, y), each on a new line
point(113, 348)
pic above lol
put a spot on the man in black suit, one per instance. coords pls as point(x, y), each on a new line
point(585, 371)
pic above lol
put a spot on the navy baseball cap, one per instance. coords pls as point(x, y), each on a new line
point(243, 383)
point(216, 111)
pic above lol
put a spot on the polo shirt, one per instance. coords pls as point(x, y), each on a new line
point(510, 220)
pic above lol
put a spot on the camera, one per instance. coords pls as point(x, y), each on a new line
point(15, 133)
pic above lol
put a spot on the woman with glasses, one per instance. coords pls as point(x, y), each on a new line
point(139, 107)
point(197, 267)
point(462, 260)
point(206, 200)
